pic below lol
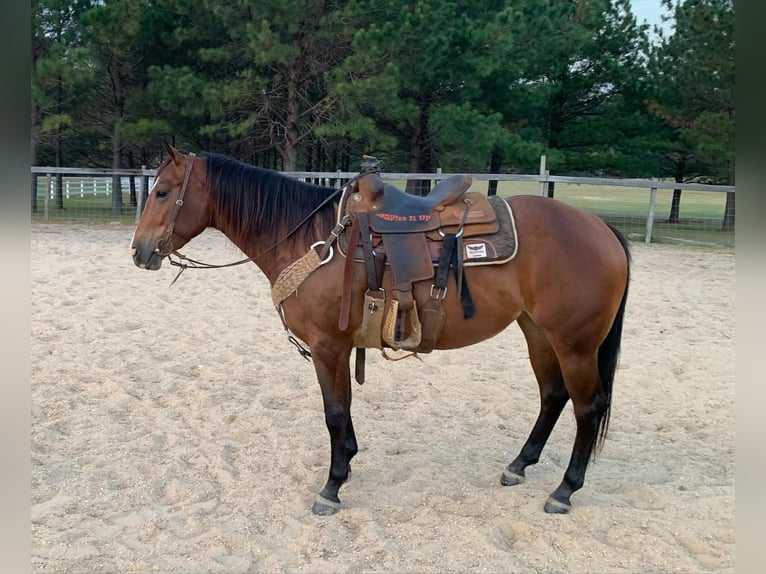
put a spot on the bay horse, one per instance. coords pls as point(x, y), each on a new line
point(566, 288)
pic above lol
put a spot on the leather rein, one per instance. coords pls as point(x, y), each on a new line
point(185, 262)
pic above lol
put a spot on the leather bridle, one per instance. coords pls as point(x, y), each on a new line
point(165, 247)
point(165, 244)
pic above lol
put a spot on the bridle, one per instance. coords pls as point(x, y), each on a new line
point(167, 237)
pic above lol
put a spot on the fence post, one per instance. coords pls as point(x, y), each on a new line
point(47, 201)
point(543, 177)
point(650, 218)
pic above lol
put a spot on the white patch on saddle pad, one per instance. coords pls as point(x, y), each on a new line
point(476, 251)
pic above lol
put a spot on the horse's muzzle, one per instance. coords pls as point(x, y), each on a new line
point(146, 258)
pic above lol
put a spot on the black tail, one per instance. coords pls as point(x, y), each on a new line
point(609, 351)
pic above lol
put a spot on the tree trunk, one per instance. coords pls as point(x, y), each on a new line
point(310, 163)
point(289, 149)
point(133, 197)
point(675, 204)
point(289, 157)
point(34, 192)
point(420, 155)
point(551, 189)
point(33, 154)
point(59, 191)
point(345, 158)
point(59, 177)
point(728, 213)
point(495, 161)
point(59, 133)
point(116, 179)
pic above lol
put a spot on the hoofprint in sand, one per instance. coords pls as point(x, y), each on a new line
point(176, 430)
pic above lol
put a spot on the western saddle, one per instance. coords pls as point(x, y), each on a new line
point(419, 239)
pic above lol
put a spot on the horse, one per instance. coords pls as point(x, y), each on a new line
point(566, 288)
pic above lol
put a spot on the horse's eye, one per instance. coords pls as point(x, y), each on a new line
point(161, 193)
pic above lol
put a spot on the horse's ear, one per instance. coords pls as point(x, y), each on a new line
point(174, 154)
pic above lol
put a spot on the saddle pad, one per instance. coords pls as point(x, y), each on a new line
point(495, 248)
point(484, 249)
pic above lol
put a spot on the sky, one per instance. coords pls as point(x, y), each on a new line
point(649, 10)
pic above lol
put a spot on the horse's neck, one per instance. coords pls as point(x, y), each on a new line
point(272, 248)
point(270, 253)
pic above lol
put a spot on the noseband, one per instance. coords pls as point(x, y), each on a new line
point(165, 244)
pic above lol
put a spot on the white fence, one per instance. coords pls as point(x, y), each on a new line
point(83, 183)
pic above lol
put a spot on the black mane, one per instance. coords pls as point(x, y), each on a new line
point(251, 198)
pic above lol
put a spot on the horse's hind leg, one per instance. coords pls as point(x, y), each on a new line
point(590, 405)
point(553, 397)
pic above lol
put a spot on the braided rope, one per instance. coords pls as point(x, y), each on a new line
point(293, 275)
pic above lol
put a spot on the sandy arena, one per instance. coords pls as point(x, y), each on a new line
point(176, 430)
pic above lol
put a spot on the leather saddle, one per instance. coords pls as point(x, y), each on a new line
point(406, 232)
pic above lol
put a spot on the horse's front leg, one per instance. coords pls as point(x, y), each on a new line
point(331, 362)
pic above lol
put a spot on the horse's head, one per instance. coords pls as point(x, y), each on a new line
point(176, 210)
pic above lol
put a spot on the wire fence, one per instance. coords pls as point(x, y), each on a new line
point(642, 209)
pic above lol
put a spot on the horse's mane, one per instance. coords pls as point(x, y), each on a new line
point(251, 198)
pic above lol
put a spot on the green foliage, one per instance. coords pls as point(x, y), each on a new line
point(464, 137)
point(144, 129)
point(62, 72)
point(412, 64)
point(693, 74)
point(578, 64)
point(457, 84)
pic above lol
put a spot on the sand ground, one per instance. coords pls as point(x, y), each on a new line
point(176, 430)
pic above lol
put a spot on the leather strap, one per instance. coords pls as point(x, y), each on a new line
point(359, 365)
point(348, 272)
point(369, 255)
point(166, 238)
point(449, 245)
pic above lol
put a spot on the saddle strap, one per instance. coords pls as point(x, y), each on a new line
point(369, 255)
point(465, 294)
point(348, 272)
point(359, 365)
point(433, 314)
point(450, 258)
point(446, 259)
point(363, 224)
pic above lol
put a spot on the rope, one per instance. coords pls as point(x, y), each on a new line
point(293, 275)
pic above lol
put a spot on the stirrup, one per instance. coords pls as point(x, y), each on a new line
point(389, 328)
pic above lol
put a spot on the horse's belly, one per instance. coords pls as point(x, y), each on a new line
point(495, 304)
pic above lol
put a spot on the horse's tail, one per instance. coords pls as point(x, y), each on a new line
point(609, 351)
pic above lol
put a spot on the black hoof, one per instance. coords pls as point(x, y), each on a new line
point(324, 507)
point(553, 506)
point(510, 478)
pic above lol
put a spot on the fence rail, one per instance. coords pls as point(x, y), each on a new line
point(631, 204)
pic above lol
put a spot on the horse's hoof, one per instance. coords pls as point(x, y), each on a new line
point(324, 507)
point(553, 506)
point(510, 478)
